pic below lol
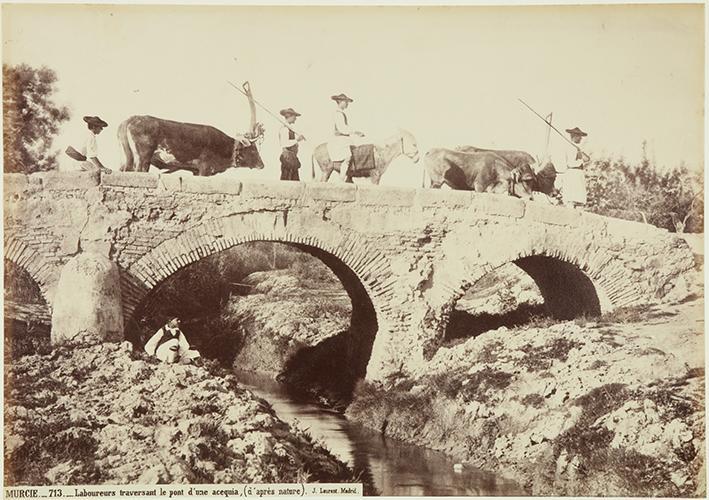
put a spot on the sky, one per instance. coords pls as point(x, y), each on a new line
point(450, 75)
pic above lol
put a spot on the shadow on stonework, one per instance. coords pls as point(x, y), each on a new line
point(462, 324)
point(27, 320)
point(536, 289)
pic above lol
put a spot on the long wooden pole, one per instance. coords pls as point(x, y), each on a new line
point(264, 108)
point(549, 124)
point(550, 118)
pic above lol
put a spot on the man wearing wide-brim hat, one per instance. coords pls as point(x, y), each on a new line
point(339, 145)
point(88, 156)
point(574, 179)
point(289, 140)
point(170, 345)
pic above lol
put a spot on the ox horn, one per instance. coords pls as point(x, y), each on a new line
point(252, 106)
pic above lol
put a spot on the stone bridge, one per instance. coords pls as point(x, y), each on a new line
point(97, 247)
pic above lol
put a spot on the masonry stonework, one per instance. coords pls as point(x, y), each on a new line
point(414, 252)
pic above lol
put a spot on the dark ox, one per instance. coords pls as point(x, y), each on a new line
point(545, 180)
point(545, 177)
point(202, 149)
point(513, 157)
point(481, 171)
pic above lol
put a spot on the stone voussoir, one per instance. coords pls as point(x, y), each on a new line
point(549, 214)
point(445, 198)
point(273, 189)
point(329, 192)
point(68, 181)
point(209, 185)
point(385, 196)
point(498, 204)
point(130, 179)
point(170, 182)
point(627, 228)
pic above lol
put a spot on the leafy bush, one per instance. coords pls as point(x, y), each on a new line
point(583, 438)
point(470, 387)
point(46, 444)
point(533, 400)
point(541, 358)
point(672, 199)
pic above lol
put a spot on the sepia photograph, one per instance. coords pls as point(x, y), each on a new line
point(374, 250)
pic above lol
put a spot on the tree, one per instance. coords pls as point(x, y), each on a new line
point(670, 199)
point(31, 118)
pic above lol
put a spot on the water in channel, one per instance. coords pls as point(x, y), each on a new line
point(392, 467)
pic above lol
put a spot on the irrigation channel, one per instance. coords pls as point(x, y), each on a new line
point(390, 466)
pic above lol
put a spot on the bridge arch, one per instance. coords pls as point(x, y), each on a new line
point(360, 269)
point(575, 277)
point(25, 258)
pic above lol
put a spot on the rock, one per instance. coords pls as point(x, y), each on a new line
point(78, 417)
point(562, 462)
point(536, 437)
point(142, 432)
point(651, 413)
point(472, 409)
point(12, 442)
point(137, 370)
point(154, 475)
point(115, 418)
point(549, 389)
point(60, 474)
point(679, 478)
point(552, 427)
point(164, 436)
point(502, 446)
point(677, 432)
point(574, 465)
point(20, 411)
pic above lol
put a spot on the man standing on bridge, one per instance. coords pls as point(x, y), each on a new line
point(572, 161)
point(289, 140)
point(339, 146)
point(574, 178)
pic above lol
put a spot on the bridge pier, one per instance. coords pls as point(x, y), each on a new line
point(87, 301)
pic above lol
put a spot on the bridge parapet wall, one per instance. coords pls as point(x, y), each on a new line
point(303, 193)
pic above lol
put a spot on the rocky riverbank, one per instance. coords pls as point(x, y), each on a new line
point(613, 406)
point(104, 414)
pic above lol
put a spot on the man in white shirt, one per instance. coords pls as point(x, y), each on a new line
point(570, 162)
point(170, 345)
point(339, 145)
point(90, 149)
point(289, 141)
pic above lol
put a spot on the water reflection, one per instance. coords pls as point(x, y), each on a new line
point(390, 466)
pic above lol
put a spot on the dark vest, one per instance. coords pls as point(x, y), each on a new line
point(294, 147)
point(166, 335)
